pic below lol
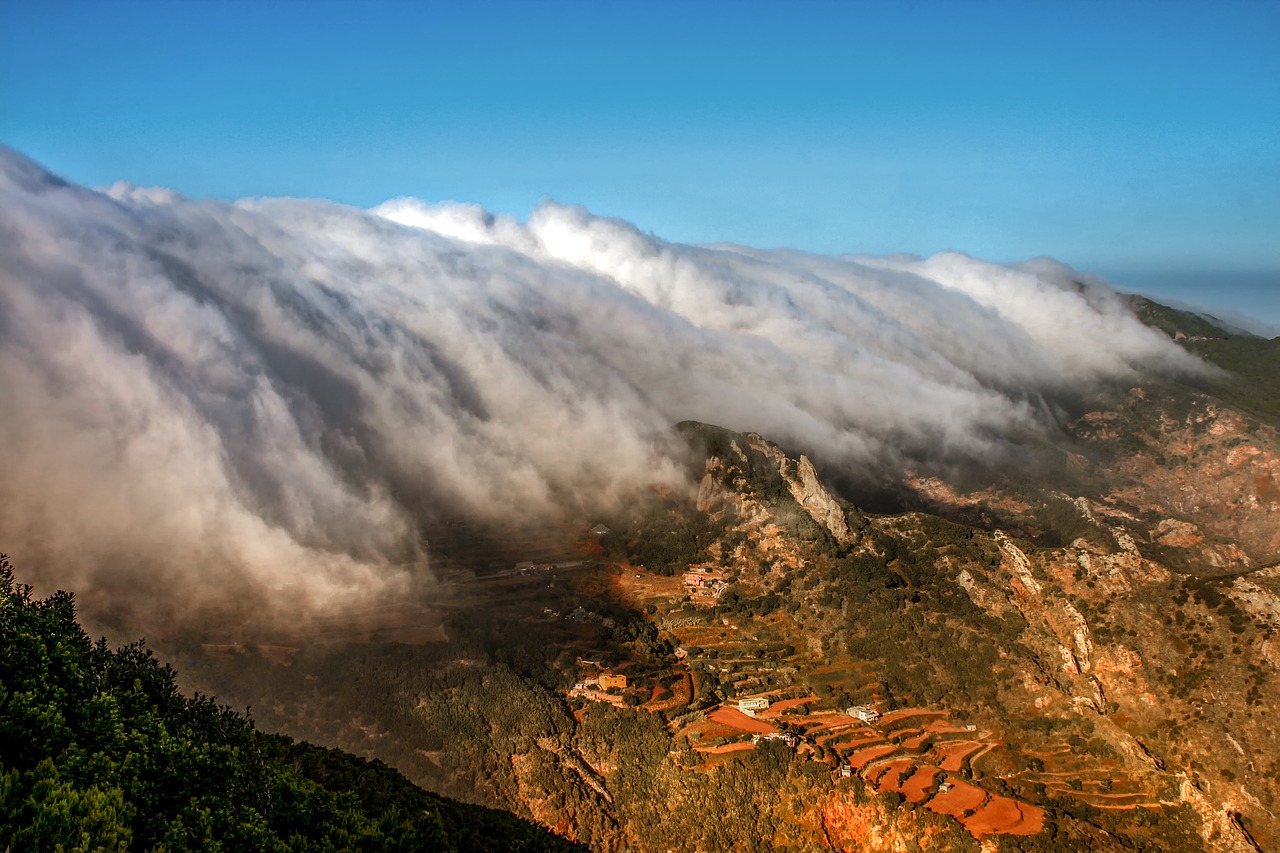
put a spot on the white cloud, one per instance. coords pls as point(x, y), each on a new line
point(285, 391)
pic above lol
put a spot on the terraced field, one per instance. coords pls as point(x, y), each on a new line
point(926, 764)
point(913, 752)
point(920, 753)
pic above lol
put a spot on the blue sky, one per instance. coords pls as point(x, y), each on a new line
point(1140, 140)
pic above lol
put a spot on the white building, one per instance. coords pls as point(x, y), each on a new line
point(789, 739)
point(865, 713)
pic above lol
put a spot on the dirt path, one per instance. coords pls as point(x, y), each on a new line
point(907, 713)
point(745, 746)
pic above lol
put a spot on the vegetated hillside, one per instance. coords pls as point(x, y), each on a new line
point(99, 751)
point(1252, 381)
point(1091, 669)
point(1079, 656)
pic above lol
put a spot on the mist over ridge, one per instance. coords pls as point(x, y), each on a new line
point(208, 401)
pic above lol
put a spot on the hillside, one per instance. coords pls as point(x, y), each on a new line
point(1078, 657)
point(1075, 655)
point(100, 751)
point(1250, 381)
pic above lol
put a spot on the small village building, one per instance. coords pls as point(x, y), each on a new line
point(608, 681)
point(752, 704)
point(789, 739)
point(865, 713)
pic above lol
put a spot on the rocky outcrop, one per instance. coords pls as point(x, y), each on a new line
point(818, 502)
point(1211, 475)
point(808, 491)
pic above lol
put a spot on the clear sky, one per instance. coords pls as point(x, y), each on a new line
point(1139, 140)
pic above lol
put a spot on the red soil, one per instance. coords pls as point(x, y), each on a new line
point(826, 719)
point(778, 707)
point(953, 754)
point(682, 692)
point(1006, 816)
point(889, 777)
point(733, 717)
point(830, 724)
point(916, 789)
point(961, 798)
point(863, 757)
point(709, 730)
point(916, 741)
point(854, 741)
point(831, 735)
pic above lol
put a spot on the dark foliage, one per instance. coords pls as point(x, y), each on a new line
point(672, 538)
point(100, 751)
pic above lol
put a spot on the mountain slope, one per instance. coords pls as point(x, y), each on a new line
point(1251, 381)
point(99, 751)
point(1048, 669)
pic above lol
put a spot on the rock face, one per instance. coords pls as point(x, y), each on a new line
point(1209, 474)
point(1150, 602)
point(818, 502)
point(809, 492)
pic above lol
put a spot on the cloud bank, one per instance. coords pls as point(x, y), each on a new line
point(229, 398)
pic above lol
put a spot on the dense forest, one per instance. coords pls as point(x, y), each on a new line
point(100, 751)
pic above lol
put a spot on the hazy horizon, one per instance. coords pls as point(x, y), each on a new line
point(1135, 140)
